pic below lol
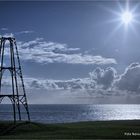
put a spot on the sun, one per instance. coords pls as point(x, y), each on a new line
point(124, 17)
point(127, 17)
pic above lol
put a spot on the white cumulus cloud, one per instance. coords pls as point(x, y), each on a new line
point(42, 51)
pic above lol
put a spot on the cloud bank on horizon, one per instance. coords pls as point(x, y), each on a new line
point(102, 86)
point(100, 79)
point(100, 82)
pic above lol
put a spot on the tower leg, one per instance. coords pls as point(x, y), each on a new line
point(15, 96)
point(22, 81)
point(14, 108)
point(15, 78)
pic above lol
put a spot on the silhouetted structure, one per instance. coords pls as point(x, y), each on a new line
point(16, 96)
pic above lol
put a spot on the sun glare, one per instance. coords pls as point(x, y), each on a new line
point(127, 17)
point(124, 17)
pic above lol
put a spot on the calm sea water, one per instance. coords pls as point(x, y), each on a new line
point(75, 113)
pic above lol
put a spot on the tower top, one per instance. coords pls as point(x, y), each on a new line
point(7, 38)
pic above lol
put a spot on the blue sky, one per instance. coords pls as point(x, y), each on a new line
point(62, 42)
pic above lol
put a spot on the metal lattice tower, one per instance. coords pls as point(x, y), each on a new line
point(17, 98)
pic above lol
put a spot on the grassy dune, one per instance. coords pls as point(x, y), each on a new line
point(80, 130)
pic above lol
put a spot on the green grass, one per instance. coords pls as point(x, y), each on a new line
point(80, 130)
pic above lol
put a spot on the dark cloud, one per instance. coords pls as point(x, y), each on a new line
point(98, 79)
point(130, 79)
point(36, 84)
point(105, 78)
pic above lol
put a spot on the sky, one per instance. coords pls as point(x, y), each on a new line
point(75, 52)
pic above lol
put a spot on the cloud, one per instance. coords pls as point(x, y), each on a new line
point(72, 84)
point(77, 91)
point(49, 84)
point(44, 52)
point(105, 78)
point(41, 51)
point(7, 35)
point(33, 83)
point(101, 83)
point(4, 29)
point(102, 86)
point(24, 32)
point(130, 79)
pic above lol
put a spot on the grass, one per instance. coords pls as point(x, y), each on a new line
point(81, 130)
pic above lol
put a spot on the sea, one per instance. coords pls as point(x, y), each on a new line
point(63, 113)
